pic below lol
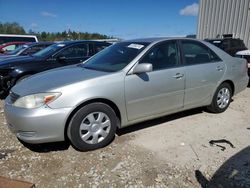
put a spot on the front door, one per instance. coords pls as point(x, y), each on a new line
point(159, 91)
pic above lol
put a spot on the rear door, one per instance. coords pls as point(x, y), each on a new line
point(159, 91)
point(203, 70)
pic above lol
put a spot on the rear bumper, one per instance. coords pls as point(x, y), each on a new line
point(241, 84)
point(40, 125)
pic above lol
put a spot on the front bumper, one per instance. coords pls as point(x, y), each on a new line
point(39, 125)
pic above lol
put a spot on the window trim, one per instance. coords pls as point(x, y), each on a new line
point(66, 47)
point(180, 62)
point(201, 44)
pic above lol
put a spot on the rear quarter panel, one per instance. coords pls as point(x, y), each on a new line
point(235, 69)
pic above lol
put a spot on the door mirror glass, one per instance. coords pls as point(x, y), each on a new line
point(143, 68)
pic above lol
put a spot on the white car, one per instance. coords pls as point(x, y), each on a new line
point(245, 54)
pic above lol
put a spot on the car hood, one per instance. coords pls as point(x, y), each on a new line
point(56, 78)
point(11, 61)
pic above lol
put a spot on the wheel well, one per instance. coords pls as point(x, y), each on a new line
point(105, 101)
point(231, 84)
point(23, 75)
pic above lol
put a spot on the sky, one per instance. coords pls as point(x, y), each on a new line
point(125, 19)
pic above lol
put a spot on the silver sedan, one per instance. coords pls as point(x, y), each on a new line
point(129, 82)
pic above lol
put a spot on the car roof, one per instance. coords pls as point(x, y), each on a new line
point(158, 39)
point(80, 41)
point(213, 39)
point(38, 43)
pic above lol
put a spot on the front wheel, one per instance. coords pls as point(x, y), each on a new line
point(221, 99)
point(93, 126)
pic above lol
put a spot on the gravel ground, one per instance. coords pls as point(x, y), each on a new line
point(173, 151)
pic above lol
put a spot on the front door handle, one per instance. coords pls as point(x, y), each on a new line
point(178, 76)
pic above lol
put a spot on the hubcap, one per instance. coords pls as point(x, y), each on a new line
point(223, 98)
point(95, 127)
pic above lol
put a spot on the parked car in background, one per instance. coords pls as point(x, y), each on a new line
point(15, 69)
point(229, 45)
point(129, 82)
point(246, 55)
point(10, 46)
point(5, 38)
point(26, 49)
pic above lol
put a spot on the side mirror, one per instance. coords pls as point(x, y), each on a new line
point(143, 68)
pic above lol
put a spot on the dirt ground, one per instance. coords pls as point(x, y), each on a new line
point(173, 151)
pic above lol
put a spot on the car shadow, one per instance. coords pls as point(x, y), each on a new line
point(47, 147)
point(157, 121)
point(235, 172)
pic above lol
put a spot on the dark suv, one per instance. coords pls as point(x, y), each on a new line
point(15, 69)
point(229, 45)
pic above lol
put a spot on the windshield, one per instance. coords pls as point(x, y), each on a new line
point(49, 50)
point(115, 57)
point(16, 51)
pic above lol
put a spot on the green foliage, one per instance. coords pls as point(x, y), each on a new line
point(69, 35)
point(15, 28)
point(11, 28)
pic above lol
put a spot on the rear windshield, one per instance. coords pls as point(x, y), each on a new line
point(17, 50)
point(115, 57)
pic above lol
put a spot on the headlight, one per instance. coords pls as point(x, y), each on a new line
point(36, 100)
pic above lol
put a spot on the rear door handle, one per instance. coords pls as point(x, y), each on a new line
point(219, 68)
point(178, 76)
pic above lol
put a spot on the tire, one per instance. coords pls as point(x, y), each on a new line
point(93, 126)
point(221, 99)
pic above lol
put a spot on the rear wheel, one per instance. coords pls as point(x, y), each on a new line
point(93, 126)
point(221, 99)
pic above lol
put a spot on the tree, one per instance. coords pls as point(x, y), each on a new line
point(11, 28)
point(43, 36)
point(15, 28)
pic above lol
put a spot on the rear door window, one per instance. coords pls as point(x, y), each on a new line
point(99, 47)
point(197, 53)
point(33, 49)
point(76, 51)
